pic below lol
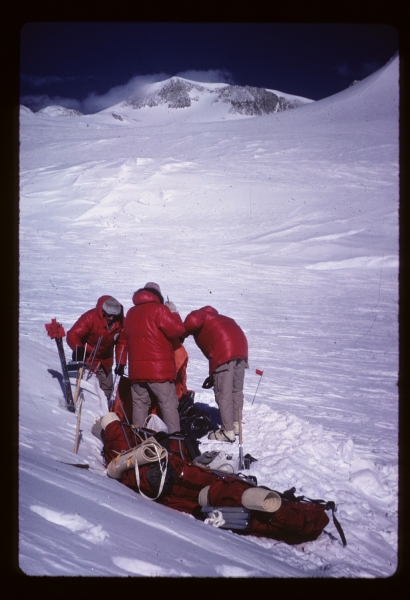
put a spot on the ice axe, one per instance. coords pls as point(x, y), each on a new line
point(56, 331)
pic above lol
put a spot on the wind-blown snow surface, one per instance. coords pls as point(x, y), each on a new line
point(287, 223)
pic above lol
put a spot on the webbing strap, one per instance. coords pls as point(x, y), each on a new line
point(339, 527)
point(163, 469)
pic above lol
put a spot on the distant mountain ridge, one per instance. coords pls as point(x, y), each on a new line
point(245, 100)
point(217, 100)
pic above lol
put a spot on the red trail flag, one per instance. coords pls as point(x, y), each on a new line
point(258, 372)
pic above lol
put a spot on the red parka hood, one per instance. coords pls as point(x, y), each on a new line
point(210, 309)
point(100, 303)
point(99, 308)
point(144, 296)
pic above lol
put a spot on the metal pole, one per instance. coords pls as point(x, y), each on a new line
point(111, 401)
point(257, 387)
point(240, 466)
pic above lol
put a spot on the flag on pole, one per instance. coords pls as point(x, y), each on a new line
point(258, 372)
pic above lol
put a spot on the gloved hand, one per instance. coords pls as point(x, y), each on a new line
point(171, 306)
point(119, 370)
point(208, 383)
point(78, 353)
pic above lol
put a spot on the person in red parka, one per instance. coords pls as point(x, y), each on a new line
point(150, 328)
point(224, 344)
point(105, 321)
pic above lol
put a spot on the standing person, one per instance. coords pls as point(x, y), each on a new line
point(105, 321)
point(150, 327)
point(224, 344)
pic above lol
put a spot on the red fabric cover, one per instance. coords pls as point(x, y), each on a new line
point(89, 327)
point(220, 338)
point(227, 492)
point(123, 400)
point(114, 440)
point(148, 333)
point(293, 522)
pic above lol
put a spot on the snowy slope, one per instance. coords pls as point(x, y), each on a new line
point(286, 222)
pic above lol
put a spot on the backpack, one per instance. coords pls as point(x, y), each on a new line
point(195, 422)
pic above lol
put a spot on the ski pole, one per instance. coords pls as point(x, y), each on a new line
point(93, 356)
point(258, 372)
point(240, 466)
point(94, 350)
point(111, 401)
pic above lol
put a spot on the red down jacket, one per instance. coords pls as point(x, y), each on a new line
point(220, 338)
point(89, 327)
point(148, 333)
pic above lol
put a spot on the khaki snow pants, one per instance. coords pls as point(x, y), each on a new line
point(228, 387)
point(106, 382)
point(166, 395)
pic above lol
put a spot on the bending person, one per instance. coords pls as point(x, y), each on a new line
point(225, 346)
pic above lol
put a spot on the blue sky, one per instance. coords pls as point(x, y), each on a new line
point(87, 65)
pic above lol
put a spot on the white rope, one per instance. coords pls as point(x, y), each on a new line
point(163, 470)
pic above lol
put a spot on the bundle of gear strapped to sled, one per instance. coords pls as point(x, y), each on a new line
point(169, 469)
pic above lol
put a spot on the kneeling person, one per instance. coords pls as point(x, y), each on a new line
point(99, 326)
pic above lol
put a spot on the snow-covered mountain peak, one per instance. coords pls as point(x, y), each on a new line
point(177, 92)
